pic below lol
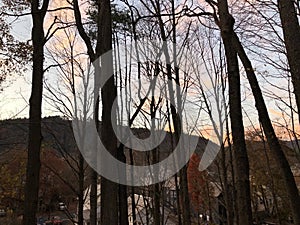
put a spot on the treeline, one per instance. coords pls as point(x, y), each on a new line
point(206, 68)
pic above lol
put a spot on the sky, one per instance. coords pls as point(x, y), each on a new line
point(15, 97)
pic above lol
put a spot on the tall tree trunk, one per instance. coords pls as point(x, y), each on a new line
point(230, 208)
point(35, 112)
point(272, 139)
point(155, 159)
point(291, 33)
point(241, 163)
point(109, 189)
point(94, 174)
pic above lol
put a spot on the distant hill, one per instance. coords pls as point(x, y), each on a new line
point(57, 134)
point(14, 133)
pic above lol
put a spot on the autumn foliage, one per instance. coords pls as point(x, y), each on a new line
point(197, 184)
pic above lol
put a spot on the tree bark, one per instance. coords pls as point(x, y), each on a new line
point(109, 189)
point(241, 163)
point(291, 33)
point(35, 112)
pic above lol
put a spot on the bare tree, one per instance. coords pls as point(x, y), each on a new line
point(35, 113)
point(266, 122)
point(241, 163)
point(70, 63)
point(291, 33)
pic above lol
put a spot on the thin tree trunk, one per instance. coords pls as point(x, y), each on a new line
point(273, 191)
point(155, 157)
point(177, 189)
point(123, 193)
point(92, 57)
point(132, 190)
point(291, 33)
point(226, 189)
point(93, 197)
point(178, 209)
point(232, 201)
point(183, 172)
point(123, 206)
point(156, 205)
point(35, 112)
point(186, 212)
point(272, 139)
point(241, 163)
point(81, 189)
point(94, 174)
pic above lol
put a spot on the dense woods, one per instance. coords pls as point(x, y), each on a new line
point(162, 112)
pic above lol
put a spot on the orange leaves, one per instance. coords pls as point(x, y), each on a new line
point(196, 183)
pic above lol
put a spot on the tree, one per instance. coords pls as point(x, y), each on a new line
point(167, 31)
point(69, 59)
point(109, 189)
point(197, 183)
point(14, 54)
point(69, 170)
point(35, 103)
point(12, 177)
point(266, 123)
point(211, 87)
point(267, 185)
point(291, 33)
point(241, 163)
point(272, 139)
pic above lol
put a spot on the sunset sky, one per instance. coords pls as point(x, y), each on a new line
point(15, 96)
